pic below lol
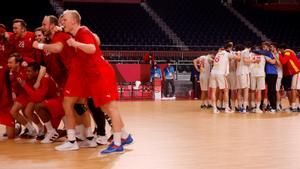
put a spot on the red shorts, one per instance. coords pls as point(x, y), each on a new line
point(103, 89)
point(75, 85)
point(54, 106)
point(23, 99)
point(6, 118)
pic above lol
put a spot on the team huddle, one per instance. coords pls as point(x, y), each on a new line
point(247, 74)
point(58, 74)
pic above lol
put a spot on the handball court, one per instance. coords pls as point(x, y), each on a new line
point(173, 135)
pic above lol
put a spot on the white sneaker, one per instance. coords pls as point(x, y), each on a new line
point(216, 111)
point(228, 110)
point(33, 133)
point(88, 143)
point(258, 111)
point(50, 137)
point(67, 146)
point(101, 140)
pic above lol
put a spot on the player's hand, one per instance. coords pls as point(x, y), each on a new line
point(35, 44)
point(36, 84)
point(72, 42)
point(20, 81)
point(58, 29)
point(24, 64)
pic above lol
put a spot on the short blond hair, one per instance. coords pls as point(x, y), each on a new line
point(75, 14)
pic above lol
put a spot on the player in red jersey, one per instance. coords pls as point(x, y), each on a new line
point(74, 86)
point(99, 77)
point(46, 96)
point(5, 97)
point(17, 71)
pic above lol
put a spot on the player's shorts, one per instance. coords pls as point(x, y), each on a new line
point(75, 85)
point(103, 88)
point(278, 83)
point(55, 107)
point(231, 78)
point(23, 99)
point(218, 81)
point(296, 82)
point(257, 83)
point(243, 81)
point(287, 82)
point(204, 82)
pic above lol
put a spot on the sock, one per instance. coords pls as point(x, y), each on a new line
point(294, 105)
point(257, 105)
point(278, 105)
point(64, 119)
point(124, 133)
point(225, 104)
point(80, 131)
point(89, 133)
point(30, 127)
point(49, 126)
point(71, 135)
point(206, 102)
point(252, 104)
point(117, 138)
point(245, 104)
point(41, 128)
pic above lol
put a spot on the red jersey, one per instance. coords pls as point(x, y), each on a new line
point(5, 50)
point(290, 62)
point(67, 53)
point(47, 90)
point(23, 45)
point(55, 68)
point(15, 86)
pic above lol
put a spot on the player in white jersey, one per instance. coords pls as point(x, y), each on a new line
point(243, 78)
point(218, 77)
point(257, 80)
point(280, 74)
point(232, 80)
point(203, 65)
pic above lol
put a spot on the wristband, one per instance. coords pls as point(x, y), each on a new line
point(40, 46)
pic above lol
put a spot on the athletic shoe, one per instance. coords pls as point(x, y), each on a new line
point(258, 111)
point(228, 110)
point(101, 140)
point(216, 111)
point(127, 141)
point(88, 143)
point(112, 148)
point(67, 146)
point(28, 134)
point(202, 106)
point(50, 137)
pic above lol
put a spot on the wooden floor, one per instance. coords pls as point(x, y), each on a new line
point(173, 135)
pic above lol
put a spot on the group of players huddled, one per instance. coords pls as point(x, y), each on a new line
point(51, 75)
point(239, 77)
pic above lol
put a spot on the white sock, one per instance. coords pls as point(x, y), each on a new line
point(294, 106)
point(252, 104)
point(257, 105)
point(245, 104)
point(71, 134)
point(89, 132)
point(30, 127)
point(225, 104)
point(117, 138)
point(124, 134)
point(206, 102)
point(277, 105)
point(80, 131)
point(49, 126)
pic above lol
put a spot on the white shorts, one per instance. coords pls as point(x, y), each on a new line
point(296, 82)
point(204, 82)
point(278, 83)
point(258, 83)
point(243, 81)
point(218, 81)
point(231, 78)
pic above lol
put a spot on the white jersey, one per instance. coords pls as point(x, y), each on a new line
point(242, 67)
point(205, 65)
point(278, 65)
point(221, 63)
point(257, 69)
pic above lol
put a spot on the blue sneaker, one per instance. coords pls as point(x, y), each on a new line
point(112, 148)
point(127, 141)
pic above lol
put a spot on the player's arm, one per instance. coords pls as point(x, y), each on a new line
point(38, 94)
point(52, 48)
point(195, 61)
point(87, 48)
point(41, 74)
